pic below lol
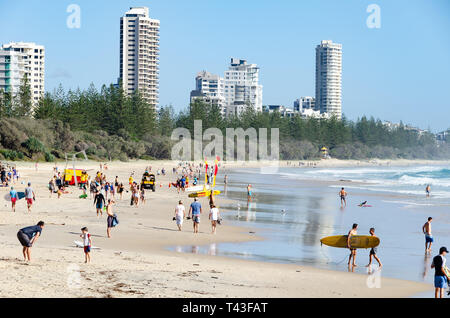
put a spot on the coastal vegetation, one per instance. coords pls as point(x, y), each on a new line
point(107, 124)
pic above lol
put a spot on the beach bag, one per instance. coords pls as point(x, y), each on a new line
point(115, 221)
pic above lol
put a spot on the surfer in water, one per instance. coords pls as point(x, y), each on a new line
point(428, 191)
point(428, 236)
point(343, 195)
point(352, 232)
point(249, 192)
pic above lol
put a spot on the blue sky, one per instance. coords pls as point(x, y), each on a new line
point(398, 72)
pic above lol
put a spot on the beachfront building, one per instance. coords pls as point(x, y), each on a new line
point(284, 111)
point(20, 59)
point(209, 88)
point(306, 102)
point(241, 87)
point(329, 78)
point(139, 54)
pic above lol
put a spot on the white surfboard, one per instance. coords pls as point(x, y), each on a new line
point(81, 245)
point(197, 188)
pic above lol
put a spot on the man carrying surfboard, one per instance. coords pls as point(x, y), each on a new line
point(352, 232)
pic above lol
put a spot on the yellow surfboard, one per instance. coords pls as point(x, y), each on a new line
point(202, 194)
point(356, 241)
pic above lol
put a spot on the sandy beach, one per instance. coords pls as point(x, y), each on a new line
point(135, 262)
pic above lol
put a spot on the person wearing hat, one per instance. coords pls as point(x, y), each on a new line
point(30, 196)
point(441, 277)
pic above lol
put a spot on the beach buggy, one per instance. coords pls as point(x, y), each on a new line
point(148, 182)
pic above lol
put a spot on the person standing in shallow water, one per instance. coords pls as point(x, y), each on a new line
point(428, 235)
point(352, 232)
point(343, 195)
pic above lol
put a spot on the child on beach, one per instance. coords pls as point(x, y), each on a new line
point(14, 197)
point(373, 251)
point(87, 243)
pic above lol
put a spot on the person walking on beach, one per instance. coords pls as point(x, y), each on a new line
point(180, 214)
point(373, 251)
point(428, 236)
point(249, 192)
point(28, 236)
point(214, 216)
point(195, 210)
point(30, 196)
point(441, 278)
point(87, 243)
point(99, 201)
point(352, 232)
point(343, 195)
point(14, 197)
point(110, 219)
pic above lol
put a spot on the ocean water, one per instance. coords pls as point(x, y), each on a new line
point(294, 208)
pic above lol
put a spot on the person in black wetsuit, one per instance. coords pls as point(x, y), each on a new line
point(99, 202)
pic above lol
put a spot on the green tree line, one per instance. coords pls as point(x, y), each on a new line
point(129, 127)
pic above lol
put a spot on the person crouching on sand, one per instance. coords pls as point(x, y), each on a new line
point(87, 243)
point(28, 236)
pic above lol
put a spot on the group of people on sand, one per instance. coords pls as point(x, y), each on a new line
point(30, 197)
point(8, 174)
point(194, 214)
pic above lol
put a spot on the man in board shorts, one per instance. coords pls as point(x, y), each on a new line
point(30, 196)
point(195, 210)
point(428, 235)
point(28, 236)
point(441, 278)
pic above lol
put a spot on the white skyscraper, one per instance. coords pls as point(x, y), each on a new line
point(209, 88)
point(329, 78)
point(139, 54)
point(241, 87)
point(18, 59)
